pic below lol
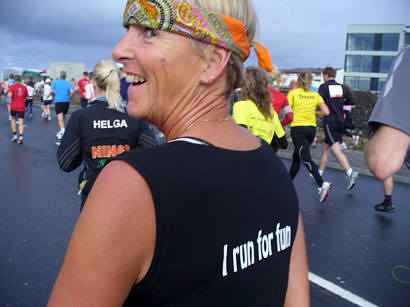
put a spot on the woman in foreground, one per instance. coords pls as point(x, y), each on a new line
point(208, 219)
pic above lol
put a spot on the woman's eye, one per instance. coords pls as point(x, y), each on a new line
point(150, 32)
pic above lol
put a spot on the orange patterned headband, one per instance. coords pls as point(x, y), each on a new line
point(180, 17)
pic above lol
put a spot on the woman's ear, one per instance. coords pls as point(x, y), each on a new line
point(216, 60)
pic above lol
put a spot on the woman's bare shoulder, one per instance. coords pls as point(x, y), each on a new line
point(113, 243)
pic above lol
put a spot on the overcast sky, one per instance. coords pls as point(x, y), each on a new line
point(297, 33)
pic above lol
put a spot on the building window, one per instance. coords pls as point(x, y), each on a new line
point(382, 83)
point(373, 41)
point(374, 84)
point(385, 63)
point(358, 63)
point(390, 42)
point(358, 83)
point(368, 63)
point(365, 84)
point(360, 41)
point(407, 39)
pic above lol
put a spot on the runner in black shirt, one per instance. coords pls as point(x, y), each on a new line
point(99, 133)
point(336, 96)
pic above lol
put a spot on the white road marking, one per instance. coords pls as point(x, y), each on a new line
point(347, 295)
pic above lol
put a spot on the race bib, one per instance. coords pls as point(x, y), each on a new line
point(335, 91)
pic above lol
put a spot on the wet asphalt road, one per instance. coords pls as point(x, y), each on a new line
point(349, 244)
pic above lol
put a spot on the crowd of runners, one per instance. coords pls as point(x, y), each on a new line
point(259, 106)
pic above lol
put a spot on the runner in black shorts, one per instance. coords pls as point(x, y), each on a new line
point(63, 91)
point(334, 133)
point(62, 107)
point(17, 114)
point(18, 94)
point(336, 96)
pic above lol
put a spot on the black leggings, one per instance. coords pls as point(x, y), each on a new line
point(302, 137)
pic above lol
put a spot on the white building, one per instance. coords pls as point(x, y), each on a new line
point(74, 70)
point(370, 51)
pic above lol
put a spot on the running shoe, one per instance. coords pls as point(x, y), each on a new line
point(356, 140)
point(60, 134)
point(20, 141)
point(324, 191)
point(9, 117)
point(384, 208)
point(352, 180)
point(58, 143)
point(48, 117)
point(14, 139)
point(343, 146)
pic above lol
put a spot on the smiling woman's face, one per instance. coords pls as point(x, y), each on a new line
point(163, 69)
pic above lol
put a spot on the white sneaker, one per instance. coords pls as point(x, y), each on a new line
point(324, 191)
point(343, 146)
point(20, 140)
point(352, 180)
point(60, 134)
point(356, 140)
point(9, 117)
point(48, 117)
point(14, 139)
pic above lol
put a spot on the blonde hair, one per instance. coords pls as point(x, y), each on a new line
point(106, 76)
point(276, 79)
point(305, 80)
point(257, 83)
point(243, 11)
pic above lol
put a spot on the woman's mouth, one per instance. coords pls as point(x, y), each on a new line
point(135, 80)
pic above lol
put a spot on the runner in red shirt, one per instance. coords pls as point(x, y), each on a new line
point(17, 93)
point(279, 101)
point(81, 85)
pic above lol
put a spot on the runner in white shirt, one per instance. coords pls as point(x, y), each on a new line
point(47, 100)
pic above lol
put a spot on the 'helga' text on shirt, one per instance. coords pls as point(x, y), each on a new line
point(108, 124)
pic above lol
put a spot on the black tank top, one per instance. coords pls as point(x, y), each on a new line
point(226, 222)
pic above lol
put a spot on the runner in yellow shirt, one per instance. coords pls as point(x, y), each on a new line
point(256, 113)
point(304, 103)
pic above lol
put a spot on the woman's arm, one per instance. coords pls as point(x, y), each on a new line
point(324, 110)
point(297, 294)
point(113, 243)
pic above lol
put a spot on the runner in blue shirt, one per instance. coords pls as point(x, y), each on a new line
point(63, 91)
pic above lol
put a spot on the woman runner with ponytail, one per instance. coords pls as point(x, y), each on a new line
point(99, 133)
point(304, 103)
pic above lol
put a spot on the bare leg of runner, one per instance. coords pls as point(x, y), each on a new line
point(325, 157)
point(60, 120)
